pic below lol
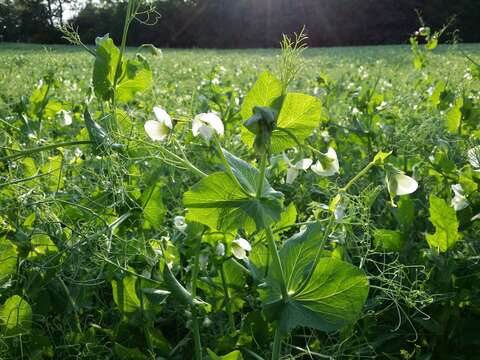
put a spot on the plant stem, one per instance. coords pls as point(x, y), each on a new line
point(126, 25)
point(44, 148)
point(226, 295)
point(272, 247)
point(277, 345)
point(72, 304)
point(195, 325)
point(358, 176)
point(261, 179)
point(227, 166)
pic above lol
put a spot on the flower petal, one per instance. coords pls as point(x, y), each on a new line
point(211, 120)
point(292, 174)
point(238, 252)
point(332, 155)
point(474, 157)
point(303, 164)
point(405, 184)
point(156, 130)
point(162, 116)
point(244, 244)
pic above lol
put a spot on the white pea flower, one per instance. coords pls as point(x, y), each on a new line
point(159, 129)
point(220, 249)
point(240, 247)
point(66, 118)
point(473, 156)
point(179, 223)
point(328, 165)
point(476, 217)
point(294, 169)
point(206, 125)
point(398, 183)
point(355, 111)
point(459, 201)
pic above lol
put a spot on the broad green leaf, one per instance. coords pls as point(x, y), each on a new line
point(53, 168)
point(331, 298)
point(125, 295)
point(41, 244)
point(136, 77)
point(436, 96)
point(432, 42)
point(220, 203)
point(15, 316)
point(8, 260)
point(105, 67)
point(299, 116)
point(97, 134)
point(454, 115)
point(388, 240)
point(444, 218)
point(266, 91)
point(234, 355)
point(153, 208)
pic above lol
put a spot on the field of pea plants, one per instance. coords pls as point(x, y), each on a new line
point(243, 204)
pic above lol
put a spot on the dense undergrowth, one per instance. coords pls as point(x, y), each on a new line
point(131, 228)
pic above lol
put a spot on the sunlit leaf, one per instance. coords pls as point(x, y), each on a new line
point(444, 218)
point(15, 316)
point(331, 298)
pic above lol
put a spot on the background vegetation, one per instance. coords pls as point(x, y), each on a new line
point(240, 23)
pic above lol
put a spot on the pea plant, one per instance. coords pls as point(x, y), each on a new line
point(231, 224)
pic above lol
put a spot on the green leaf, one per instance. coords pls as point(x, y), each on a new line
point(454, 115)
point(41, 244)
point(444, 218)
point(15, 316)
point(53, 168)
point(388, 240)
point(331, 298)
point(432, 42)
point(299, 116)
point(405, 212)
point(153, 208)
point(105, 67)
point(381, 156)
point(98, 135)
point(436, 96)
point(8, 260)
point(234, 355)
point(220, 203)
point(125, 295)
point(266, 91)
point(136, 77)
point(124, 353)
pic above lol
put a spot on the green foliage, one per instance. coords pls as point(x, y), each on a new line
point(445, 221)
point(92, 232)
point(15, 316)
point(105, 67)
point(388, 240)
point(8, 260)
point(324, 294)
point(222, 203)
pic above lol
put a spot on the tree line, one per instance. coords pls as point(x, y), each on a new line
point(240, 23)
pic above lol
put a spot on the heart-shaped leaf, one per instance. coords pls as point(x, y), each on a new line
point(326, 296)
point(223, 203)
